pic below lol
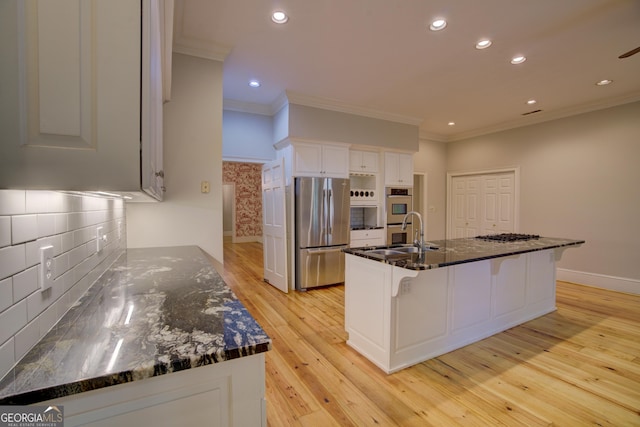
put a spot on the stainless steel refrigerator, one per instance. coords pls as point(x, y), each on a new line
point(322, 230)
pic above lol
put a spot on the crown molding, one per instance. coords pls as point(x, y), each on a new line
point(200, 48)
point(535, 119)
point(207, 49)
point(247, 107)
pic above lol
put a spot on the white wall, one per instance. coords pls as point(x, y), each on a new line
point(247, 137)
point(193, 153)
point(30, 220)
point(580, 178)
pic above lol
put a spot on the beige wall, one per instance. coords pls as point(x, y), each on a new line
point(193, 153)
point(580, 178)
point(431, 160)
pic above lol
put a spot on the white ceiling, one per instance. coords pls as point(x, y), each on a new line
point(378, 58)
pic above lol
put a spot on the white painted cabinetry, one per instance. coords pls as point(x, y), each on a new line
point(398, 169)
point(320, 159)
point(229, 393)
point(70, 110)
point(370, 237)
point(363, 162)
point(398, 317)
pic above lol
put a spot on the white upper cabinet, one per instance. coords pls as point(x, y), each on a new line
point(320, 159)
point(363, 162)
point(71, 115)
point(398, 169)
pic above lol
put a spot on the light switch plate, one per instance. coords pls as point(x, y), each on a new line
point(47, 267)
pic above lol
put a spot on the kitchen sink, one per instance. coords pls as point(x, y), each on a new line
point(387, 252)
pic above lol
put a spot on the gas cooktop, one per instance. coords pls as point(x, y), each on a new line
point(509, 237)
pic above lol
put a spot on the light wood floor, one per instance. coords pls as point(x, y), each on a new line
point(577, 366)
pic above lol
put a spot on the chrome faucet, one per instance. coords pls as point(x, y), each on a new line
point(418, 242)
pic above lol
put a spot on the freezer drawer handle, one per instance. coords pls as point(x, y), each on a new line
point(325, 251)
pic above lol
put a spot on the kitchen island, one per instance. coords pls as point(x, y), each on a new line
point(401, 310)
point(126, 353)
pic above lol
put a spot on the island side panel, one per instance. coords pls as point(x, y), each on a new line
point(368, 308)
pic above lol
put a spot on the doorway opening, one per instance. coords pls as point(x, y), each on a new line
point(229, 212)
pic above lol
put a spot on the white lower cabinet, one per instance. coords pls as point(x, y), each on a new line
point(230, 393)
point(371, 237)
point(397, 317)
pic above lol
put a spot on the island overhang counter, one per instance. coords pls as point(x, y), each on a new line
point(400, 311)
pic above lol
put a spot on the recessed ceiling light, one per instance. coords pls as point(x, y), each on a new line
point(604, 82)
point(438, 24)
point(483, 44)
point(518, 59)
point(451, 123)
point(254, 83)
point(279, 17)
point(531, 101)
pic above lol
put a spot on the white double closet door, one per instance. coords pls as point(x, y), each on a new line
point(482, 204)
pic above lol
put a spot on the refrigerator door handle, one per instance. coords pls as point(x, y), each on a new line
point(327, 250)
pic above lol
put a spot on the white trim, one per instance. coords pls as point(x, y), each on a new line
point(516, 193)
point(534, 119)
point(612, 283)
point(247, 239)
point(245, 159)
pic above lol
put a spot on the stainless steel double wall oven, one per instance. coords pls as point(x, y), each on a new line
point(398, 202)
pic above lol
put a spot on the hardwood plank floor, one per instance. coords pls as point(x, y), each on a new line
point(577, 366)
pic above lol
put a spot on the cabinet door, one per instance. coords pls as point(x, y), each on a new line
point(355, 161)
point(405, 169)
point(307, 159)
point(335, 161)
point(363, 161)
point(70, 107)
point(370, 161)
point(152, 173)
point(398, 169)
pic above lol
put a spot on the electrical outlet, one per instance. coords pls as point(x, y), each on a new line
point(101, 239)
point(405, 287)
point(47, 267)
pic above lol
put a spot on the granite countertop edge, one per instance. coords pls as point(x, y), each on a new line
point(439, 258)
point(238, 341)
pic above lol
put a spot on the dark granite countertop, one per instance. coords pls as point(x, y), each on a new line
point(459, 251)
point(153, 312)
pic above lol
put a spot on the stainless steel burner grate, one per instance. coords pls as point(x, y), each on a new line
point(509, 237)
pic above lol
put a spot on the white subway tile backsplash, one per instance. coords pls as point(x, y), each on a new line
point(26, 338)
point(60, 223)
point(5, 231)
point(12, 320)
point(7, 356)
point(12, 260)
point(6, 293)
point(25, 283)
point(12, 202)
point(30, 220)
point(46, 225)
point(24, 228)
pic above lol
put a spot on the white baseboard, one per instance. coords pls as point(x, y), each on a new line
point(618, 284)
point(247, 239)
